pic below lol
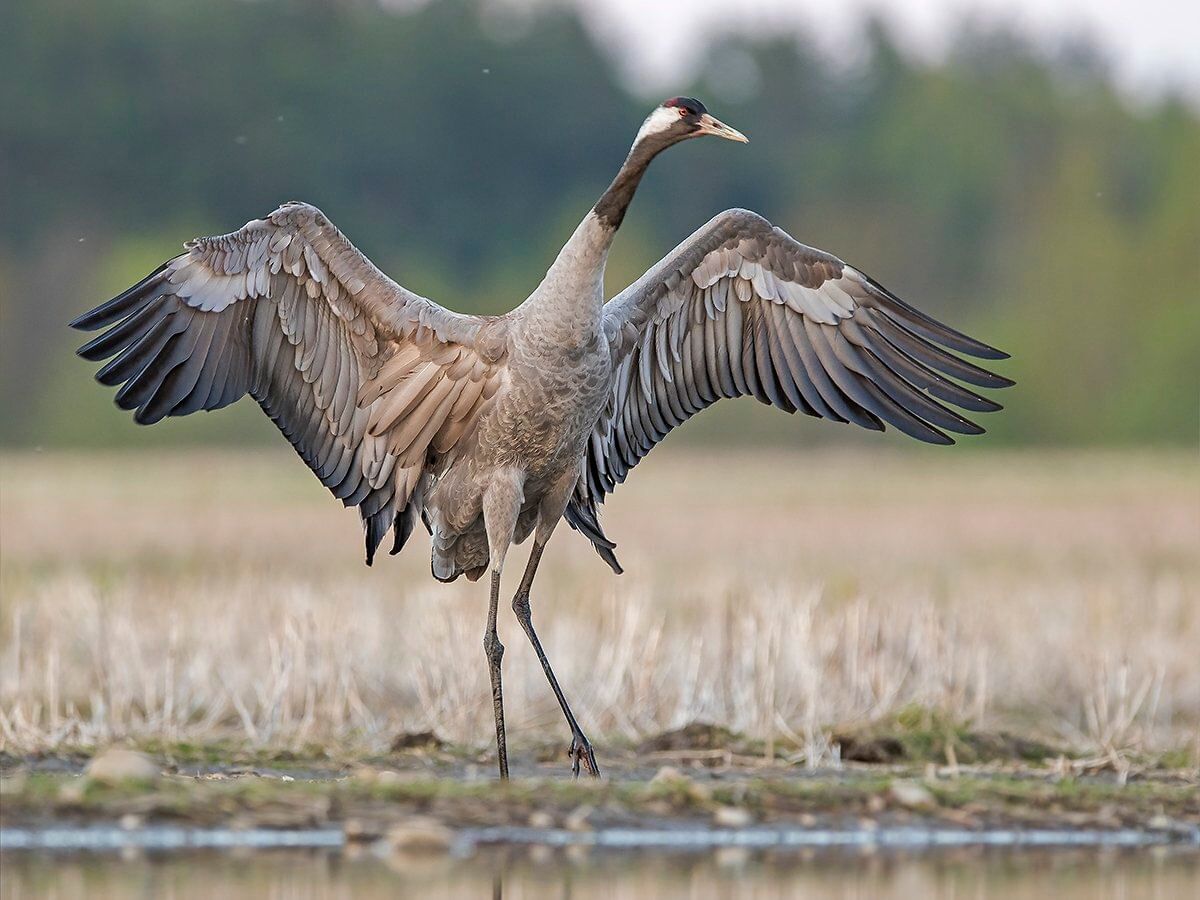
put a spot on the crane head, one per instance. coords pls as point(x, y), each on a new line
point(680, 118)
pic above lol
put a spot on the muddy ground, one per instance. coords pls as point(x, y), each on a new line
point(679, 779)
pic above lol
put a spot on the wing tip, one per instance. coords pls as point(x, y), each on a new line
point(120, 306)
point(941, 440)
point(142, 417)
point(944, 334)
point(607, 554)
point(93, 319)
point(973, 346)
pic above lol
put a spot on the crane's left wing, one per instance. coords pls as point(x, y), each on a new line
point(373, 385)
point(740, 308)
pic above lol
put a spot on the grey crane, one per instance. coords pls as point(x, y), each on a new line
point(492, 428)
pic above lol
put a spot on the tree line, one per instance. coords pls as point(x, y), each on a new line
point(1011, 191)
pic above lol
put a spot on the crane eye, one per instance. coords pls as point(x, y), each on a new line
point(684, 111)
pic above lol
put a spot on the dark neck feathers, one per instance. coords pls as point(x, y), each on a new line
point(610, 208)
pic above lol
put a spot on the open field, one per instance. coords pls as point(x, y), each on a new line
point(212, 599)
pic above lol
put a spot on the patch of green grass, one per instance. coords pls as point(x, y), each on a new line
point(1179, 758)
point(919, 734)
point(225, 753)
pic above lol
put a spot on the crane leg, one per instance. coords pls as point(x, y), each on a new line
point(495, 653)
point(501, 506)
point(581, 749)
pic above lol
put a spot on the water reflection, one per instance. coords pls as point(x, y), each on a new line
point(581, 875)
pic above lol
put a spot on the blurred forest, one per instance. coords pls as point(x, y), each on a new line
point(1012, 192)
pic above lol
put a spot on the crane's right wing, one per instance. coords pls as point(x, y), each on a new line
point(368, 381)
point(741, 308)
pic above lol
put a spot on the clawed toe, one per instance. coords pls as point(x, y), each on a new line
point(580, 752)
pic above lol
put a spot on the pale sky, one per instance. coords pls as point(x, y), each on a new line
point(1151, 44)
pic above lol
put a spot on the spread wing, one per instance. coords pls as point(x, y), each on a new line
point(372, 384)
point(742, 309)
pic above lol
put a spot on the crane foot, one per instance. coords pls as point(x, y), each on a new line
point(580, 752)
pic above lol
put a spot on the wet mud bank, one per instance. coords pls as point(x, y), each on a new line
point(132, 800)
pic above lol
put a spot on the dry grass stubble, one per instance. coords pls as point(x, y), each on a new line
point(207, 596)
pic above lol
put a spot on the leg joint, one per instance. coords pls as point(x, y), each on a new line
point(520, 605)
point(492, 647)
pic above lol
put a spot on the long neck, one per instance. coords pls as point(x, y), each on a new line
point(574, 284)
point(611, 207)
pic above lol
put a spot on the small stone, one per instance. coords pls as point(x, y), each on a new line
point(578, 819)
point(911, 794)
point(732, 817)
point(669, 775)
point(361, 831)
point(131, 822)
point(419, 833)
point(382, 777)
point(72, 791)
point(116, 765)
point(676, 781)
point(541, 819)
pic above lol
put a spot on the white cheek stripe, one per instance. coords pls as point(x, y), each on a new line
point(660, 120)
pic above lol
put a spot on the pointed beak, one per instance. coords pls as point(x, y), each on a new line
point(717, 128)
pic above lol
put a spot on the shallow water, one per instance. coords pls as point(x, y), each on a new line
point(578, 873)
point(667, 839)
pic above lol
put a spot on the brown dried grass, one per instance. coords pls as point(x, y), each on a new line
point(213, 595)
